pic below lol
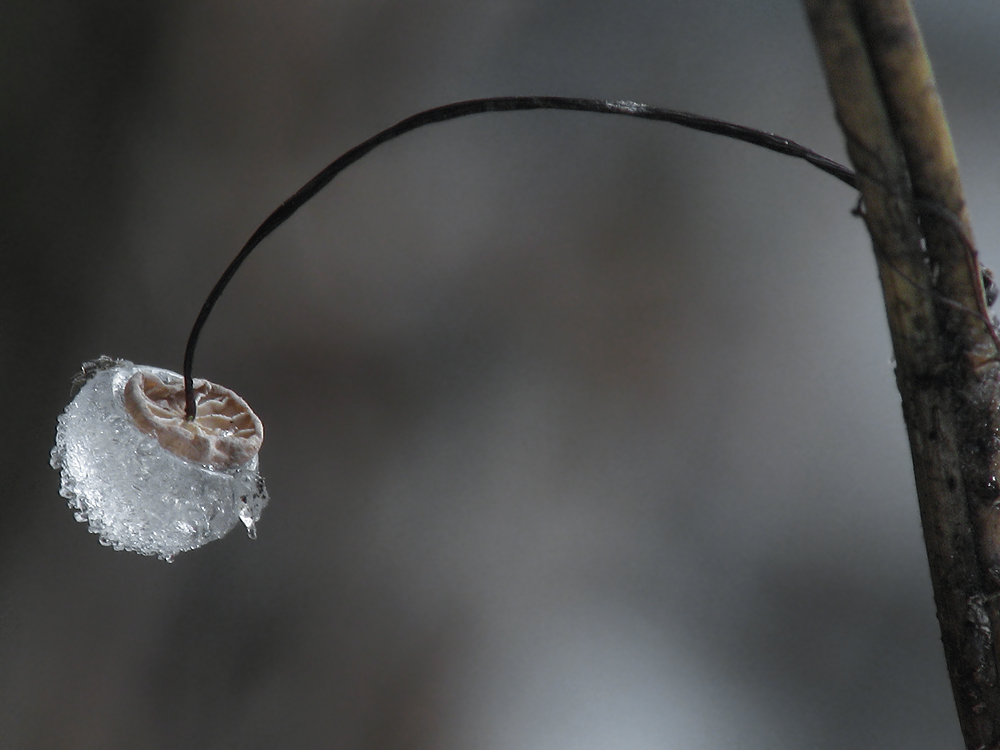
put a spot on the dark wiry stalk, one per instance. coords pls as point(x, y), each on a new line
point(474, 107)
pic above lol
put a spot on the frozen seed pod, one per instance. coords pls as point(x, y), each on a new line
point(145, 478)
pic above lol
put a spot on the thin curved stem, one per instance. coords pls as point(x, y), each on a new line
point(480, 106)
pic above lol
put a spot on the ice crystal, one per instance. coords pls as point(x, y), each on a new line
point(143, 478)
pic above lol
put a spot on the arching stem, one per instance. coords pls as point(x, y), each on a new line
point(474, 107)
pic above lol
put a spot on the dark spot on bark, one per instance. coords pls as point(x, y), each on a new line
point(893, 34)
point(932, 436)
point(952, 483)
point(990, 287)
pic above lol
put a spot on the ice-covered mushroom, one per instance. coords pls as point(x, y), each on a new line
point(149, 479)
point(144, 477)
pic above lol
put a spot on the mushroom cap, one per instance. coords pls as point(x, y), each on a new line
point(225, 433)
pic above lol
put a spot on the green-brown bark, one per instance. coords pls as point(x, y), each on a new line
point(898, 140)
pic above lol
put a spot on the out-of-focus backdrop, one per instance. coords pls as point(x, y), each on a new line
point(581, 432)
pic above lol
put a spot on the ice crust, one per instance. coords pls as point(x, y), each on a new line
point(135, 494)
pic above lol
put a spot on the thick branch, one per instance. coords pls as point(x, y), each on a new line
point(884, 94)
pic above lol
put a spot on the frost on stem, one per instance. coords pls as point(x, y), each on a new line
point(144, 478)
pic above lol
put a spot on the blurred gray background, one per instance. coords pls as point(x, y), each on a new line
point(581, 432)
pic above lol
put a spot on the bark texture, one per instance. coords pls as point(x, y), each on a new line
point(898, 140)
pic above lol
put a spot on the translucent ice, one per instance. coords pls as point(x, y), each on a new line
point(130, 484)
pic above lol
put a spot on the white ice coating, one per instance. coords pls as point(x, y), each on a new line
point(133, 492)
